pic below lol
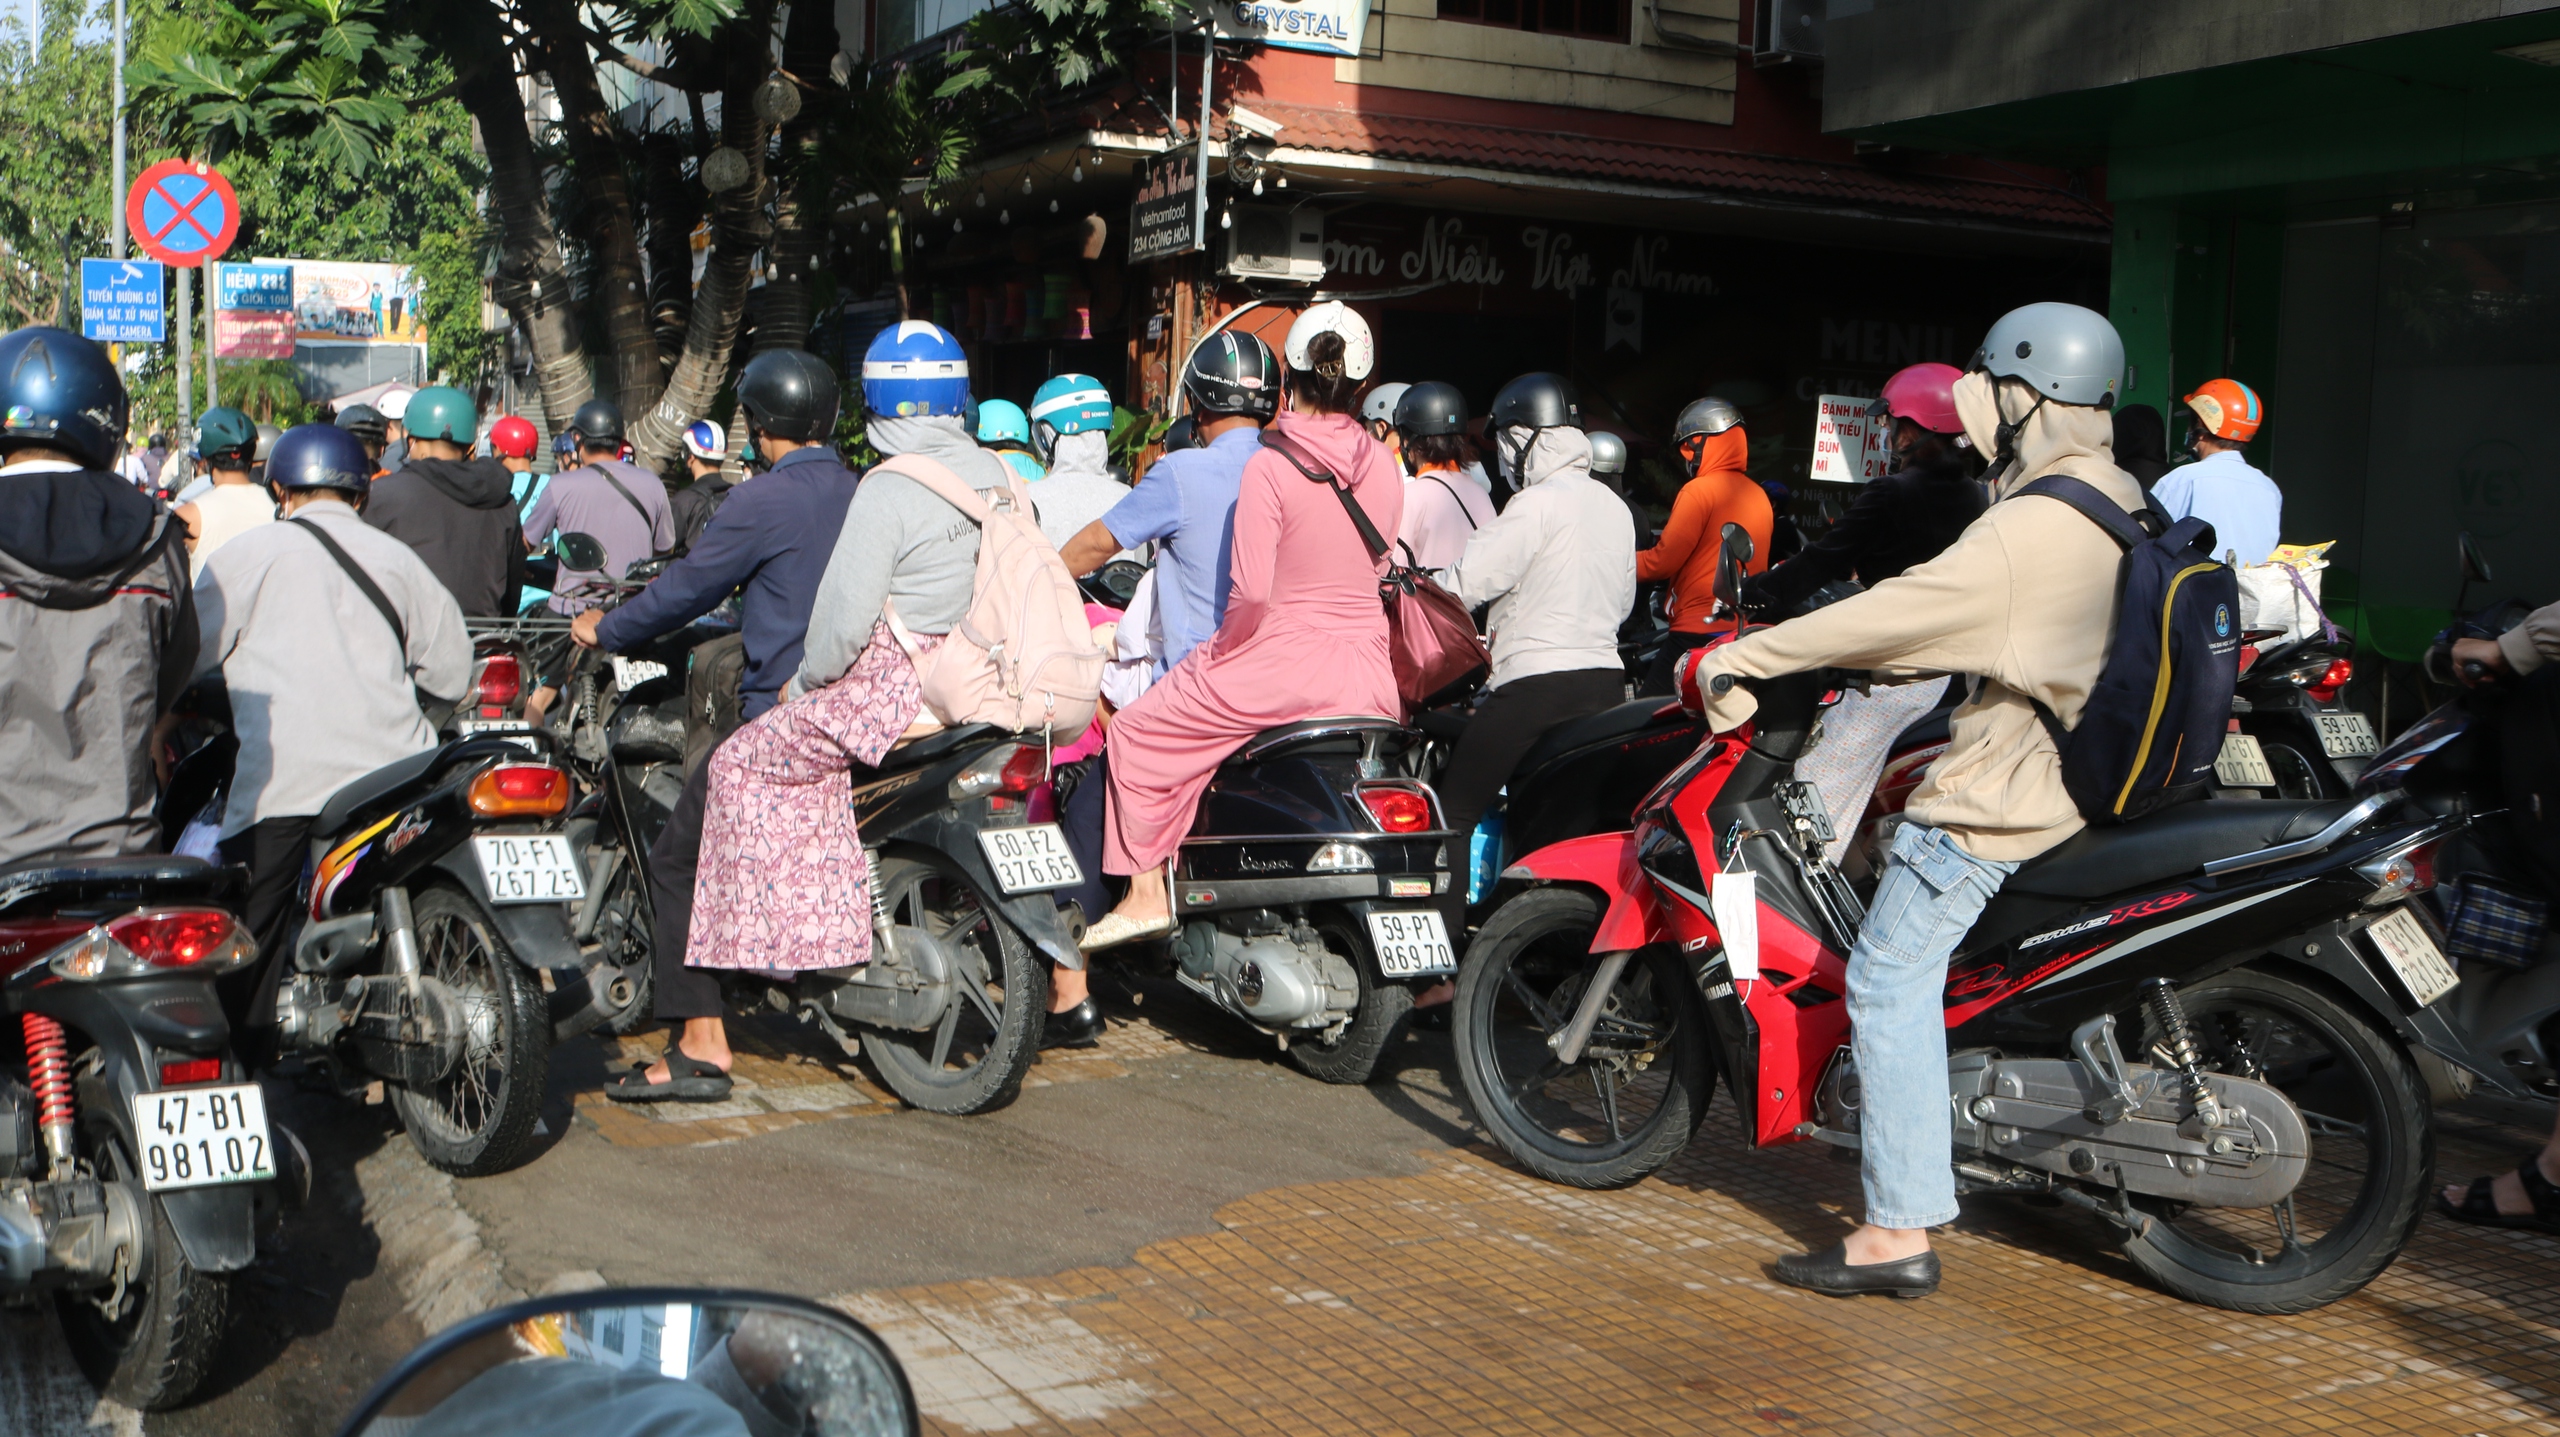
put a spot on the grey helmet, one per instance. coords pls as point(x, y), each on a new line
point(1608, 453)
point(1380, 406)
point(1705, 416)
point(2067, 354)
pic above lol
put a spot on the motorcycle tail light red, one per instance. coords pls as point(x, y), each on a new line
point(518, 789)
point(500, 681)
point(1396, 810)
point(180, 938)
point(1025, 771)
point(192, 1070)
point(2331, 680)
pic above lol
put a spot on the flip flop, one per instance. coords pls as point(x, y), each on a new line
point(2480, 1208)
point(689, 1080)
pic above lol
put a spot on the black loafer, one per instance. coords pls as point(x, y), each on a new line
point(1077, 1027)
point(1830, 1273)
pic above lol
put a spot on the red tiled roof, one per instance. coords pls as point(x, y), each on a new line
point(1782, 178)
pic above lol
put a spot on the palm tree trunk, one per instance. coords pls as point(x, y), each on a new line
point(672, 212)
point(610, 221)
point(801, 208)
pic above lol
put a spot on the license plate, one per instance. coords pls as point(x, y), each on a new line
point(1030, 859)
point(529, 868)
point(2404, 943)
point(203, 1137)
point(2242, 763)
point(630, 674)
point(1410, 944)
point(468, 727)
point(2346, 735)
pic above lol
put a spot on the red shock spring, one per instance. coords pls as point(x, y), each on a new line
point(49, 1073)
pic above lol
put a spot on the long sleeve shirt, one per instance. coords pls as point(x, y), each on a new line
point(1558, 567)
point(1692, 541)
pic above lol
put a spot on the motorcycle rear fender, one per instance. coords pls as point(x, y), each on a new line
point(1607, 862)
point(537, 933)
point(2332, 952)
point(1033, 915)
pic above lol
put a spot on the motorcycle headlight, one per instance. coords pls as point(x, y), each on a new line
point(2397, 876)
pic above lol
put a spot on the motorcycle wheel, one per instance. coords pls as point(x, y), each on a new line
point(1640, 1089)
point(623, 932)
point(975, 1059)
point(147, 1346)
point(1352, 1057)
point(479, 1118)
point(2372, 1153)
point(2300, 775)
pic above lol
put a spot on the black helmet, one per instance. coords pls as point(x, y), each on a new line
point(366, 423)
point(1431, 407)
point(1231, 373)
point(320, 456)
point(597, 422)
point(1183, 433)
point(1536, 401)
point(62, 392)
point(789, 394)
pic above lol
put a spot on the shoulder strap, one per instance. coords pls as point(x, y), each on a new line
point(628, 497)
point(937, 476)
point(363, 581)
point(2093, 505)
point(1463, 511)
point(1273, 441)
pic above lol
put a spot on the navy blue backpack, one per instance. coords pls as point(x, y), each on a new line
point(2155, 721)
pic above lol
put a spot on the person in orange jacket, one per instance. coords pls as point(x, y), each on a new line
point(1710, 440)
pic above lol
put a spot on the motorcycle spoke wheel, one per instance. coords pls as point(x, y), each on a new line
point(974, 1057)
point(479, 1118)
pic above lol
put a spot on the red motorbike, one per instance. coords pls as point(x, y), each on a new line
point(2192, 1026)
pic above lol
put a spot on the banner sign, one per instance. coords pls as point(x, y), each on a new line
point(1161, 218)
point(1847, 446)
point(124, 301)
point(253, 333)
point(341, 302)
point(253, 286)
point(1328, 27)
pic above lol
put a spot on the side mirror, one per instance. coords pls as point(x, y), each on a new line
point(579, 551)
point(646, 1360)
point(1731, 561)
point(2475, 565)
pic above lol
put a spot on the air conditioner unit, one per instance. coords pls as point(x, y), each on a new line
point(1788, 32)
point(1276, 242)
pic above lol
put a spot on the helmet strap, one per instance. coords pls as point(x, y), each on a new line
point(2004, 438)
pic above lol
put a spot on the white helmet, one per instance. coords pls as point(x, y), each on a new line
point(394, 403)
point(1359, 350)
point(1380, 406)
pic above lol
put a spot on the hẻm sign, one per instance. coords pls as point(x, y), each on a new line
point(124, 301)
point(1163, 218)
point(1846, 446)
point(253, 311)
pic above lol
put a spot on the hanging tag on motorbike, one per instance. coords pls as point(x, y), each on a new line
point(1736, 900)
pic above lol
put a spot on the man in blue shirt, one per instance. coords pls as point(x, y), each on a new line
point(2245, 507)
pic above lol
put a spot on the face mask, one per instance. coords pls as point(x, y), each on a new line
point(1514, 458)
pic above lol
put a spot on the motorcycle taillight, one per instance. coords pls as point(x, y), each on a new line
point(2396, 876)
point(2331, 680)
point(191, 1070)
point(179, 938)
point(500, 680)
point(515, 789)
point(1019, 771)
point(1397, 809)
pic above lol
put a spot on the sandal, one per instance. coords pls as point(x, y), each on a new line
point(689, 1080)
point(2480, 1208)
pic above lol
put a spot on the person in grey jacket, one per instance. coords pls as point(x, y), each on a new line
point(101, 636)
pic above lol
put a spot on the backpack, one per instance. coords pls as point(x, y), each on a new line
point(2154, 723)
point(1023, 656)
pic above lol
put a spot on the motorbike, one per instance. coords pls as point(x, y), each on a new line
point(2292, 732)
point(137, 1162)
point(2192, 1026)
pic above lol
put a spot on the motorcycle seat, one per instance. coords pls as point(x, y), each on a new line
point(2099, 862)
point(140, 866)
point(1348, 734)
point(934, 745)
point(344, 804)
point(1608, 724)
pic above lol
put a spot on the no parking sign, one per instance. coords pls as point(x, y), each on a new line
point(182, 212)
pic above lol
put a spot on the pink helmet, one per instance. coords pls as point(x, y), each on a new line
point(1925, 394)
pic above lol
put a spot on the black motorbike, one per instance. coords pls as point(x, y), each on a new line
point(137, 1161)
point(2297, 738)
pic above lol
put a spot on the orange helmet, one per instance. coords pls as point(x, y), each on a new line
point(2228, 409)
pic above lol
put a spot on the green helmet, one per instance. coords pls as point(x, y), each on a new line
point(443, 413)
point(226, 436)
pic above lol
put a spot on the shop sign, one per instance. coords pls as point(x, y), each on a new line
point(1163, 219)
point(1328, 27)
point(1539, 257)
point(253, 311)
point(1846, 447)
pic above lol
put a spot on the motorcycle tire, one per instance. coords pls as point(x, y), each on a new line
point(479, 1118)
point(2373, 1153)
point(949, 1070)
point(2302, 774)
point(1541, 940)
point(1352, 1057)
point(152, 1350)
point(624, 929)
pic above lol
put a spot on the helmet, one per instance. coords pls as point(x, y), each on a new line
point(364, 422)
point(320, 456)
point(597, 422)
point(704, 440)
point(1705, 416)
point(1431, 407)
point(1072, 404)
point(1380, 406)
point(2228, 409)
point(1183, 433)
point(1536, 401)
point(1359, 350)
point(1231, 373)
point(2064, 352)
point(1608, 453)
point(442, 413)
point(224, 433)
point(1001, 421)
point(914, 369)
point(514, 438)
point(60, 391)
point(1925, 394)
point(268, 434)
point(394, 404)
point(789, 394)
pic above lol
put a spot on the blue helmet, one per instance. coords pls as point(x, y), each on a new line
point(1072, 404)
point(320, 456)
point(1001, 421)
point(914, 369)
point(60, 391)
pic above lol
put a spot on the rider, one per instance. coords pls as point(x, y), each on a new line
point(1443, 503)
point(1004, 428)
point(105, 637)
point(234, 501)
point(771, 538)
point(1711, 441)
point(325, 673)
point(706, 447)
point(457, 511)
point(1609, 461)
point(618, 503)
point(513, 440)
point(2245, 507)
point(1071, 420)
point(370, 429)
point(2023, 602)
point(1378, 415)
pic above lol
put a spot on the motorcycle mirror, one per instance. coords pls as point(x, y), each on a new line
point(1120, 577)
point(579, 551)
point(2475, 566)
point(673, 1360)
point(1730, 563)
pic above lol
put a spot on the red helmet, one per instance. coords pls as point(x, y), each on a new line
point(1925, 394)
point(513, 438)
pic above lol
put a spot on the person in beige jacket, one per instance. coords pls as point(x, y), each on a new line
point(2021, 607)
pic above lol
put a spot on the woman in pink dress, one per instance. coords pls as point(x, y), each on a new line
point(1304, 636)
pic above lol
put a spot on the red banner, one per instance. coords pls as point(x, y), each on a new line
point(253, 334)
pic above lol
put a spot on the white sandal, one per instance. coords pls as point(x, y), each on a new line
point(1116, 929)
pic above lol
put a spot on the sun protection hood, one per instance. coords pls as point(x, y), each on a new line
point(1559, 450)
point(1728, 450)
point(1087, 452)
point(1334, 441)
point(472, 483)
point(2048, 437)
point(68, 537)
point(941, 437)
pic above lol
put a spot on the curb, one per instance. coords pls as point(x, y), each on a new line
point(432, 1247)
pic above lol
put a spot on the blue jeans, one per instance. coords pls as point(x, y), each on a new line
point(1929, 896)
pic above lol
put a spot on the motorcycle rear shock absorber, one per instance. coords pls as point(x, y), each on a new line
point(2178, 1038)
point(49, 1074)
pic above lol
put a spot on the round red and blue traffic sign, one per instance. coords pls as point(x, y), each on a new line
point(182, 212)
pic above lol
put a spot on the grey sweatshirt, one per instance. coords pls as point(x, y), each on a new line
point(900, 542)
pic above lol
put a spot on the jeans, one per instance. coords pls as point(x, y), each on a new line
point(1929, 896)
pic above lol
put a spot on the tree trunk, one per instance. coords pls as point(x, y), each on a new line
point(802, 208)
point(673, 210)
point(610, 223)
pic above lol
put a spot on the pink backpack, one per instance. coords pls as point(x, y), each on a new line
point(1022, 657)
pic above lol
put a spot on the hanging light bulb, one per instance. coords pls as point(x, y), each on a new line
point(1077, 174)
point(1257, 184)
point(866, 226)
point(1282, 180)
point(1227, 218)
point(1004, 217)
point(957, 226)
point(1053, 207)
point(982, 199)
point(1026, 182)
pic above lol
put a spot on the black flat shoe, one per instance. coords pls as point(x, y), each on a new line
point(1077, 1027)
point(1830, 1273)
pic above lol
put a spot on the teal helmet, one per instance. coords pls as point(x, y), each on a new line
point(227, 437)
point(441, 412)
point(1072, 404)
point(1001, 421)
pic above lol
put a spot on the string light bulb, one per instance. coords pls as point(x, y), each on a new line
point(1053, 207)
point(1026, 182)
point(1257, 184)
point(1077, 174)
point(982, 199)
point(1004, 217)
point(1227, 218)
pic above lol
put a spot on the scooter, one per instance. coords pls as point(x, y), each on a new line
point(2192, 1027)
point(2293, 735)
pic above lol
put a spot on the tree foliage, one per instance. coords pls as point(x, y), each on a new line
point(333, 75)
point(55, 129)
